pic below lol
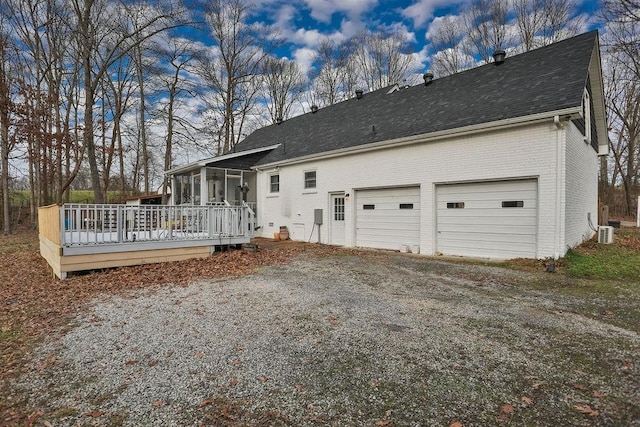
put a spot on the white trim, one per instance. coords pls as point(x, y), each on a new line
point(572, 112)
point(304, 180)
point(204, 162)
point(586, 112)
point(271, 193)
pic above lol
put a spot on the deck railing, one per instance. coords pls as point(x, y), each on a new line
point(85, 224)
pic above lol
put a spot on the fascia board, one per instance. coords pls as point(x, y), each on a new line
point(572, 112)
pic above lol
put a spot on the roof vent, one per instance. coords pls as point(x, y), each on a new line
point(278, 120)
point(498, 56)
point(359, 93)
point(314, 109)
point(428, 78)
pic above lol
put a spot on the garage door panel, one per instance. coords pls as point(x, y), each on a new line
point(488, 219)
point(496, 238)
point(483, 227)
point(489, 228)
point(488, 251)
point(384, 224)
point(489, 187)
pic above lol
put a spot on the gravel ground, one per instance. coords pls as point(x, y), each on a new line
point(340, 340)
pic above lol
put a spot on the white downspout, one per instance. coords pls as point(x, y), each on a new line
point(559, 178)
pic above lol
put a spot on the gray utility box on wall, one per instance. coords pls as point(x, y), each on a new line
point(317, 216)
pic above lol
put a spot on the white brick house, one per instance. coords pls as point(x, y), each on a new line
point(500, 161)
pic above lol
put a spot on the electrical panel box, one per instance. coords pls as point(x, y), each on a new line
point(317, 216)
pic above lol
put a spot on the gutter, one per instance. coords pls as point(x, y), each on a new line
point(572, 112)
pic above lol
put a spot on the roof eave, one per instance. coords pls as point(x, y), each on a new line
point(204, 162)
point(597, 93)
point(571, 112)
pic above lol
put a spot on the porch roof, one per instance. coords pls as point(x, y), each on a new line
point(242, 160)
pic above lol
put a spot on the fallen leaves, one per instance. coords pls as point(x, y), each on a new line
point(93, 414)
point(587, 410)
point(384, 423)
point(157, 403)
point(506, 410)
point(35, 303)
point(263, 378)
point(456, 424)
point(526, 401)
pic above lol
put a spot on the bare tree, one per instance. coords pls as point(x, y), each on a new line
point(7, 59)
point(622, 56)
point(284, 84)
point(120, 86)
point(232, 73)
point(542, 22)
point(104, 35)
point(382, 58)
point(486, 26)
point(623, 35)
point(179, 54)
point(334, 79)
point(445, 41)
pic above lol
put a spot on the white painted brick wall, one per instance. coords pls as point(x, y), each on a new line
point(526, 151)
point(581, 193)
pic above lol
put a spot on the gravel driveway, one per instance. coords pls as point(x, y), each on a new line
point(375, 339)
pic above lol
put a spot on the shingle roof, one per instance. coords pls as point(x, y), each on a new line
point(547, 79)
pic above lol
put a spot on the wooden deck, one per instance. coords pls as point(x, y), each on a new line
point(88, 237)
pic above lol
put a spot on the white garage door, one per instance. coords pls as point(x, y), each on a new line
point(488, 219)
point(388, 218)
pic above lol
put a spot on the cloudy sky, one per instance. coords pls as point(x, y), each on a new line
point(304, 22)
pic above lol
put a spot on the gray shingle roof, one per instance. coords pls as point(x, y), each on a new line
point(547, 79)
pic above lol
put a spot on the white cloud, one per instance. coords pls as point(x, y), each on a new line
point(422, 11)
point(304, 58)
point(322, 10)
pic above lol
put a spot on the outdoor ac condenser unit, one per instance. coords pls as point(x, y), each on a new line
point(605, 234)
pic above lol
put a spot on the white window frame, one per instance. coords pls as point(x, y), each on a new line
point(586, 109)
point(270, 183)
point(315, 180)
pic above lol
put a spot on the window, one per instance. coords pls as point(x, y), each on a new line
point(274, 183)
point(406, 205)
point(455, 205)
point(586, 112)
point(338, 209)
point(513, 204)
point(309, 180)
point(368, 207)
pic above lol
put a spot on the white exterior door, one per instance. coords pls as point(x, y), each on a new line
point(488, 219)
point(336, 232)
point(388, 218)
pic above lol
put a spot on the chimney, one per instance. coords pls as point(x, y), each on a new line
point(428, 78)
point(314, 109)
point(499, 56)
point(359, 93)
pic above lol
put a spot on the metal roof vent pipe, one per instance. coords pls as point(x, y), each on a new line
point(428, 78)
point(499, 56)
point(314, 109)
point(359, 93)
point(278, 120)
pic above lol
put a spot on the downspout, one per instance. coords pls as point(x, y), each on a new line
point(559, 179)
